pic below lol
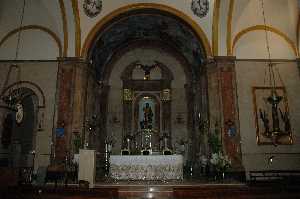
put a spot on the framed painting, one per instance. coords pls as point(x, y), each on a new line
point(272, 120)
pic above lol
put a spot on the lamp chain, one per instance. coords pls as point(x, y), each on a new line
point(19, 33)
point(271, 71)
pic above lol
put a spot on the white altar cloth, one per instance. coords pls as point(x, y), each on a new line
point(146, 167)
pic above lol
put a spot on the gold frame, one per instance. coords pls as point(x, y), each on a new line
point(259, 94)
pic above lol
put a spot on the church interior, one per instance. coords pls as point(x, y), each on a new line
point(149, 99)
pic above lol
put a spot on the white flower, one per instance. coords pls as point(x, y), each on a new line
point(220, 161)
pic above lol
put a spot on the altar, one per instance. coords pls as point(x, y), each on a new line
point(146, 167)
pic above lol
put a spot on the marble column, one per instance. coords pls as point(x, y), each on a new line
point(70, 104)
point(223, 106)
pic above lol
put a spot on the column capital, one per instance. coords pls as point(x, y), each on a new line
point(221, 63)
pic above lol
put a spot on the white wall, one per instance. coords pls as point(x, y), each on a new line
point(253, 46)
point(34, 45)
point(37, 12)
point(280, 14)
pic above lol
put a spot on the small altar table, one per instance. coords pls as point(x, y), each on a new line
point(146, 167)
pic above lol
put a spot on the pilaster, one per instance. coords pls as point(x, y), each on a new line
point(223, 106)
point(70, 104)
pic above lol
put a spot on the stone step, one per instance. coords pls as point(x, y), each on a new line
point(146, 192)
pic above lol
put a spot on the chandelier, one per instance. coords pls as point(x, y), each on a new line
point(12, 97)
point(274, 131)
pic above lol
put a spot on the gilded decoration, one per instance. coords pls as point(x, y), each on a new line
point(127, 94)
point(166, 95)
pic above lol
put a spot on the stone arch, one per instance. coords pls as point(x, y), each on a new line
point(30, 85)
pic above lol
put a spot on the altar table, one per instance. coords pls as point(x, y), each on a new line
point(146, 167)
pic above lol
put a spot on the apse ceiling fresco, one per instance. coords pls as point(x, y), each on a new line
point(148, 27)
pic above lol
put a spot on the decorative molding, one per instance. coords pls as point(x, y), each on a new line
point(65, 26)
point(215, 28)
point(200, 8)
point(132, 7)
point(92, 7)
point(166, 94)
point(273, 60)
point(229, 27)
point(35, 27)
point(127, 94)
point(77, 27)
point(268, 28)
point(32, 86)
point(297, 33)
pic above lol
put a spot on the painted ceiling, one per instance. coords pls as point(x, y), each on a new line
point(151, 27)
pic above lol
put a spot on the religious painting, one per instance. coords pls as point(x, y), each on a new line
point(147, 113)
point(272, 120)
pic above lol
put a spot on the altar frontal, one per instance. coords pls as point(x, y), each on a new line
point(150, 167)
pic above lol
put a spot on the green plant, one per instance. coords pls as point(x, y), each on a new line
point(215, 142)
point(77, 143)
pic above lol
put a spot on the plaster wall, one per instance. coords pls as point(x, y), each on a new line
point(34, 45)
point(146, 56)
point(253, 46)
point(255, 157)
point(222, 44)
point(70, 27)
point(44, 75)
point(42, 13)
point(280, 14)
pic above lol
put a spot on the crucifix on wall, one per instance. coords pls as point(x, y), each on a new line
point(147, 69)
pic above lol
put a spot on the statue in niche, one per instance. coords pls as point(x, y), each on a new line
point(146, 123)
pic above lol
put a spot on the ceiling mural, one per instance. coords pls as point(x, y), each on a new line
point(148, 27)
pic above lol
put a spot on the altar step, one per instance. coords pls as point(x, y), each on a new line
point(146, 192)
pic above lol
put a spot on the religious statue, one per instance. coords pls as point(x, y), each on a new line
point(264, 118)
point(148, 115)
point(286, 120)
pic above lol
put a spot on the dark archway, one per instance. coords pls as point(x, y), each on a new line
point(21, 146)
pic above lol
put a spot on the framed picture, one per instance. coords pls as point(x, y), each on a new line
point(272, 122)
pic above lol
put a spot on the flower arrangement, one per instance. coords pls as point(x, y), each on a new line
point(220, 161)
